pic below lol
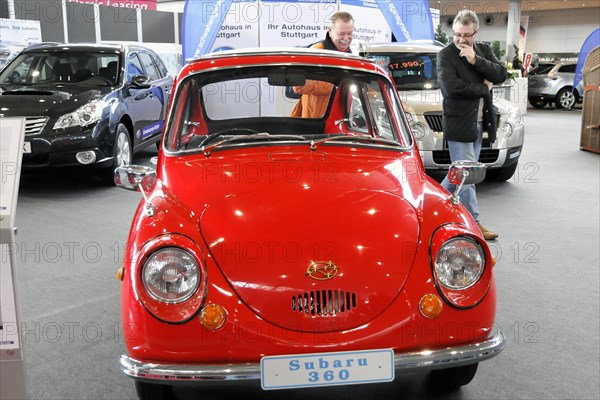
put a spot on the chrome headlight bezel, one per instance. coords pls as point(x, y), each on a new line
point(458, 238)
point(171, 275)
point(85, 115)
point(419, 130)
point(459, 263)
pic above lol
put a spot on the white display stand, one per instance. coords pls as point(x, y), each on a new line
point(12, 369)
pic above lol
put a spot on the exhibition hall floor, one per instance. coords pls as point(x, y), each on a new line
point(72, 230)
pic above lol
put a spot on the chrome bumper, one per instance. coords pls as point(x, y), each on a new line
point(406, 362)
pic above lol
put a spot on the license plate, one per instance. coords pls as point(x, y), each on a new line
point(26, 147)
point(327, 369)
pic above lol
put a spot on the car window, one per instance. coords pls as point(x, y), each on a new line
point(569, 68)
point(149, 66)
point(134, 66)
point(160, 65)
point(411, 71)
point(253, 100)
point(541, 69)
point(59, 67)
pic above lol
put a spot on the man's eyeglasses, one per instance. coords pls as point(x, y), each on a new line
point(465, 35)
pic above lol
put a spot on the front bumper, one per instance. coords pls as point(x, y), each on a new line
point(405, 362)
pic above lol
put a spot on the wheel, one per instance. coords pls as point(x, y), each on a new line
point(501, 174)
point(452, 378)
point(538, 103)
point(121, 154)
point(565, 98)
point(152, 391)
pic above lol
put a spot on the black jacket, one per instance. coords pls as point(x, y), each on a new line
point(462, 87)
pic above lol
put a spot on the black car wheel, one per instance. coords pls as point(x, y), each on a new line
point(538, 103)
point(501, 174)
point(452, 378)
point(565, 98)
point(121, 154)
point(151, 391)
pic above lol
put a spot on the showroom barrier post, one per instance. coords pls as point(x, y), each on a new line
point(12, 371)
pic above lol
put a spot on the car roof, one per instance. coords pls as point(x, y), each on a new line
point(403, 47)
point(84, 46)
point(288, 51)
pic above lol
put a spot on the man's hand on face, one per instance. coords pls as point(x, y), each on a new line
point(467, 52)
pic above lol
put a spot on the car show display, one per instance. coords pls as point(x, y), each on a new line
point(413, 67)
point(298, 252)
point(85, 105)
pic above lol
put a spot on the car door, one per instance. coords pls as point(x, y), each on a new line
point(144, 103)
point(165, 83)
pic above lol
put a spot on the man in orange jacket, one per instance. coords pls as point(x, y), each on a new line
point(315, 94)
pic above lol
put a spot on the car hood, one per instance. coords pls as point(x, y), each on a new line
point(47, 100)
point(430, 101)
point(310, 244)
point(420, 101)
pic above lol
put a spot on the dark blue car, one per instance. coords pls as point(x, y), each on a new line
point(86, 105)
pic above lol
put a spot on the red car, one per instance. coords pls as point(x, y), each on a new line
point(298, 252)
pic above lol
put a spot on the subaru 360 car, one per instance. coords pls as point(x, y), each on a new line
point(85, 105)
point(298, 251)
point(413, 67)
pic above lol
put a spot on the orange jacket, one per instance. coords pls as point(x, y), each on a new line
point(315, 96)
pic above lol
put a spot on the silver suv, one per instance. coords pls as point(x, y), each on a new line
point(413, 68)
point(553, 83)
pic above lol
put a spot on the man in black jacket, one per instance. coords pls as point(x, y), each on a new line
point(466, 73)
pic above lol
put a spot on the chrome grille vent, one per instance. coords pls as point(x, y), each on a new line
point(434, 120)
point(324, 302)
point(34, 125)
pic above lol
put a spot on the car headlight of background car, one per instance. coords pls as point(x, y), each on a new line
point(514, 119)
point(84, 115)
point(461, 265)
point(418, 129)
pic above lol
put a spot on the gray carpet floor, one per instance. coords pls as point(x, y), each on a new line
point(72, 231)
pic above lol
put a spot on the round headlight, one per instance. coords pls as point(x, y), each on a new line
point(459, 263)
point(507, 129)
point(171, 275)
point(419, 130)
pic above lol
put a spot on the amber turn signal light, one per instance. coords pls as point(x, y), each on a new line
point(121, 273)
point(213, 316)
point(430, 306)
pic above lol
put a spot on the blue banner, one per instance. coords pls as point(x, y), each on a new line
point(590, 44)
point(202, 20)
point(409, 20)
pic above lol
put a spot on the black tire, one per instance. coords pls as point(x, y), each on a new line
point(501, 174)
point(452, 378)
point(122, 154)
point(565, 98)
point(538, 103)
point(152, 391)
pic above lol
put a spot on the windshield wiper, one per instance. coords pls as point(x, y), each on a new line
point(206, 150)
point(314, 143)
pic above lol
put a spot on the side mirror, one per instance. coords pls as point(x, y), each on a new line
point(465, 173)
point(140, 179)
point(140, 82)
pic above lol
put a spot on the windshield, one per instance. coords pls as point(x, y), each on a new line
point(217, 105)
point(411, 71)
point(541, 69)
point(62, 67)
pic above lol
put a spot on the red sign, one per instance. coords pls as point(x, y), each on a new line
point(527, 62)
point(141, 4)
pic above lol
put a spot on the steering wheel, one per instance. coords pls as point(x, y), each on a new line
point(218, 133)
